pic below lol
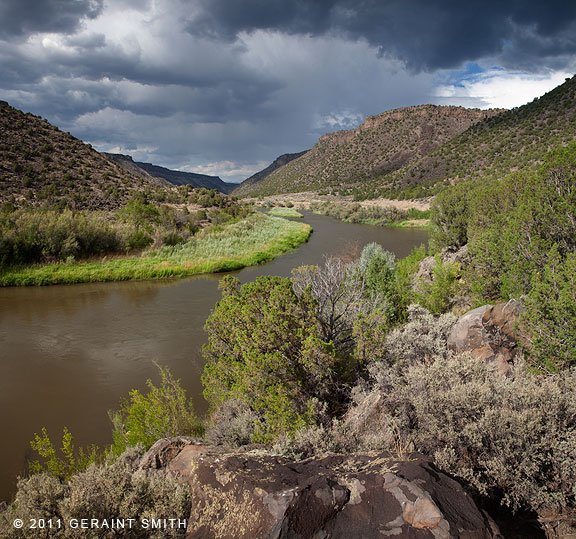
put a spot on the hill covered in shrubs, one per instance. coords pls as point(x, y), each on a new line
point(382, 144)
point(42, 165)
point(413, 152)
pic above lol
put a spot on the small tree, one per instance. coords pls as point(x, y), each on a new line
point(265, 349)
point(163, 412)
point(549, 318)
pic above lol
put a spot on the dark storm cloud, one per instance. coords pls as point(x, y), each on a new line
point(23, 17)
point(425, 34)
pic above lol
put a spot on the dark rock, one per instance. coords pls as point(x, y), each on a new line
point(488, 333)
point(251, 495)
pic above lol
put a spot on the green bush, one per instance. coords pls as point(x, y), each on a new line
point(450, 213)
point(161, 413)
point(36, 236)
point(436, 295)
point(511, 224)
point(404, 272)
point(264, 348)
point(549, 318)
point(63, 463)
point(377, 268)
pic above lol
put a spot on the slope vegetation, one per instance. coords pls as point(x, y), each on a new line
point(280, 161)
point(39, 164)
point(516, 139)
point(381, 145)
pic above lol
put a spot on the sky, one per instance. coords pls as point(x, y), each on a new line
point(223, 87)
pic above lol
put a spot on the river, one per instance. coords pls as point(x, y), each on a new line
point(70, 353)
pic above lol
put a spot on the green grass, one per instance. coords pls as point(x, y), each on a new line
point(414, 223)
point(284, 212)
point(254, 240)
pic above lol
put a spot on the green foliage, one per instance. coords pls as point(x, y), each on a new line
point(514, 222)
point(404, 273)
point(140, 214)
point(264, 348)
point(162, 412)
point(377, 268)
point(250, 241)
point(549, 319)
point(284, 212)
point(436, 295)
point(28, 236)
point(450, 214)
point(66, 461)
point(356, 213)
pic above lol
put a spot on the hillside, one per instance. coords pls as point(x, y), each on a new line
point(515, 139)
point(40, 164)
point(275, 165)
point(176, 177)
point(382, 144)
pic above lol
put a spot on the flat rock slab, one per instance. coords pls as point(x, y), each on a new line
point(250, 495)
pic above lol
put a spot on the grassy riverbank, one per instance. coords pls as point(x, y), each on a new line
point(254, 240)
point(374, 215)
point(284, 212)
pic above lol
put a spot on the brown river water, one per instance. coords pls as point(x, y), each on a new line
point(68, 354)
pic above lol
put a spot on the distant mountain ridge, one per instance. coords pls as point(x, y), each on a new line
point(280, 161)
point(382, 144)
point(176, 177)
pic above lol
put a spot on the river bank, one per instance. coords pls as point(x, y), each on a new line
point(305, 199)
point(380, 212)
point(251, 241)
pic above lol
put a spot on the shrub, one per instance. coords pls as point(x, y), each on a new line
point(513, 440)
point(404, 272)
point(265, 348)
point(161, 413)
point(449, 214)
point(377, 269)
point(116, 490)
point(513, 222)
point(422, 339)
point(65, 464)
point(233, 424)
point(341, 295)
point(437, 295)
point(549, 318)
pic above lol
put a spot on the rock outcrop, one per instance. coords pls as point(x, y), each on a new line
point(251, 495)
point(488, 333)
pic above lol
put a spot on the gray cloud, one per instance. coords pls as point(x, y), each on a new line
point(425, 34)
point(194, 83)
point(23, 17)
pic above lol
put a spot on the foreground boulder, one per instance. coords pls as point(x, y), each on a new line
point(250, 495)
point(489, 334)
